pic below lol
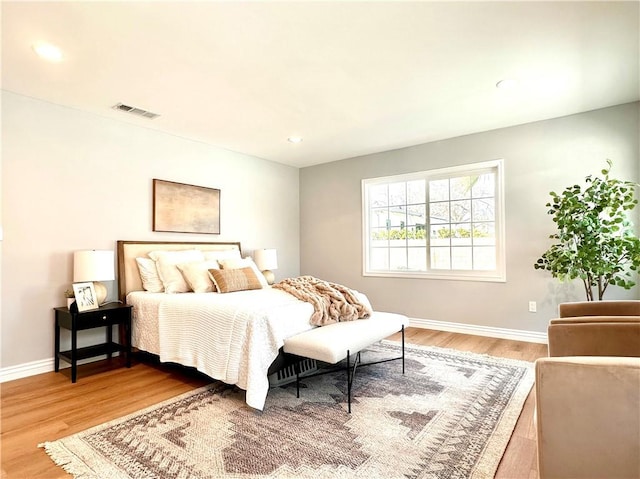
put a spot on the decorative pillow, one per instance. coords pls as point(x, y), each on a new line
point(169, 273)
point(197, 275)
point(240, 279)
point(149, 275)
point(243, 263)
point(219, 255)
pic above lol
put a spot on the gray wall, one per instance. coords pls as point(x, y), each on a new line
point(73, 180)
point(539, 157)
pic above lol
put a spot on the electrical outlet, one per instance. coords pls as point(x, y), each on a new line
point(532, 307)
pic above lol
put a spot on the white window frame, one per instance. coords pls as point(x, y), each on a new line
point(497, 275)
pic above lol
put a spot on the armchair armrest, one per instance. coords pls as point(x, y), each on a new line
point(595, 336)
point(588, 417)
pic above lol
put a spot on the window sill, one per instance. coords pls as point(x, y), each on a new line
point(458, 276)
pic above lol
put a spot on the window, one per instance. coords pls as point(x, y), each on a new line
point(445, 223)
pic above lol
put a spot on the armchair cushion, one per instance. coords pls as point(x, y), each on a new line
point(588, 417)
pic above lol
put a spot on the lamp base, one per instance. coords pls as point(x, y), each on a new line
point(269, 276)
point(101, 292)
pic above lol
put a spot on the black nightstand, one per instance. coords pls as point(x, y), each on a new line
point(105, 316)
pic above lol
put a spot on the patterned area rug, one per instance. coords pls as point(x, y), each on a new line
point(450, 416)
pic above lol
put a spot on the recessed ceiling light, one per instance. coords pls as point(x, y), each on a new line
point(507, 84)
point(294, 139)
point(48, 52)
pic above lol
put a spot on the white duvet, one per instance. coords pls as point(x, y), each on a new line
point(233, 337)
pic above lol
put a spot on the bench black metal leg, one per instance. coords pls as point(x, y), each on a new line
point(403, 349)
point(296, 368)
point(351, 374)
point(348, 381)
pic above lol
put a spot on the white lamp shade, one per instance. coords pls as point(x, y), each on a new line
point(93, 265)
point(266, 259)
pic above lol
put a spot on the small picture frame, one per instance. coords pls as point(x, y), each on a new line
point(86, 298)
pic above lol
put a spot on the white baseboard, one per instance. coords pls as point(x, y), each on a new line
point(27, 369)
point(474, 329)
point(38, 367)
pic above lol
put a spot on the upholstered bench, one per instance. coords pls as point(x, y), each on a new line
point(335, 342)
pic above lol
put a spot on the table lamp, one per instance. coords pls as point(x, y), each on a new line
point(266, 260)
point(94, 266)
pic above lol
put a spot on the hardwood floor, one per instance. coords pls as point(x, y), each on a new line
point(47, 406)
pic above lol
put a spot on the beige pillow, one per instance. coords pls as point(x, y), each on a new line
point(149, 275)
point(197, 275)
point(230, 280)
point(243, 263)
point(169, 273)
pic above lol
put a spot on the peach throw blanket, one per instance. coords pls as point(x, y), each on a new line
point(331, 302)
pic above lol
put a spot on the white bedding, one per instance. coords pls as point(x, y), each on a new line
point(233, 337)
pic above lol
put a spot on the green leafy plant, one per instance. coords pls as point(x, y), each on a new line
point(595, 238)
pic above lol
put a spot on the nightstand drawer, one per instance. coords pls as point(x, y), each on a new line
point(94, 319)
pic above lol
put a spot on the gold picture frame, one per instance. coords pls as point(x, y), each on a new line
point(182, 208)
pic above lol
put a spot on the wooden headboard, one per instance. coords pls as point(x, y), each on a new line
point(128, 274)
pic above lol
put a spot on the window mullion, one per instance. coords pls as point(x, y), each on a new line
point(406, 224)
point(427, 222)
point(471, 203)
point(450, 227)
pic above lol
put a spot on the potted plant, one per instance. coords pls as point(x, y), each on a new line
point(70, 296)
point(595, 237)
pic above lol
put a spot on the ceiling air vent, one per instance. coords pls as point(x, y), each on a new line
point(135, 111)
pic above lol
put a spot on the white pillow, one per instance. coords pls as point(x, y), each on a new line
point(149, 275)
point(243, 263)
point(169, 273)
point(197, 275)
point(224, 254)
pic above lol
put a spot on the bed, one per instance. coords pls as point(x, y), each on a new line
point(235, 337)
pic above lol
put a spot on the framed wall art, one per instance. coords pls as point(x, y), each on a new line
point(182, 208)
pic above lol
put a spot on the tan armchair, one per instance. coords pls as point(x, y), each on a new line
point(588, 393)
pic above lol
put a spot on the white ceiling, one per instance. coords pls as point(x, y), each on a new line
point(351, 78)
